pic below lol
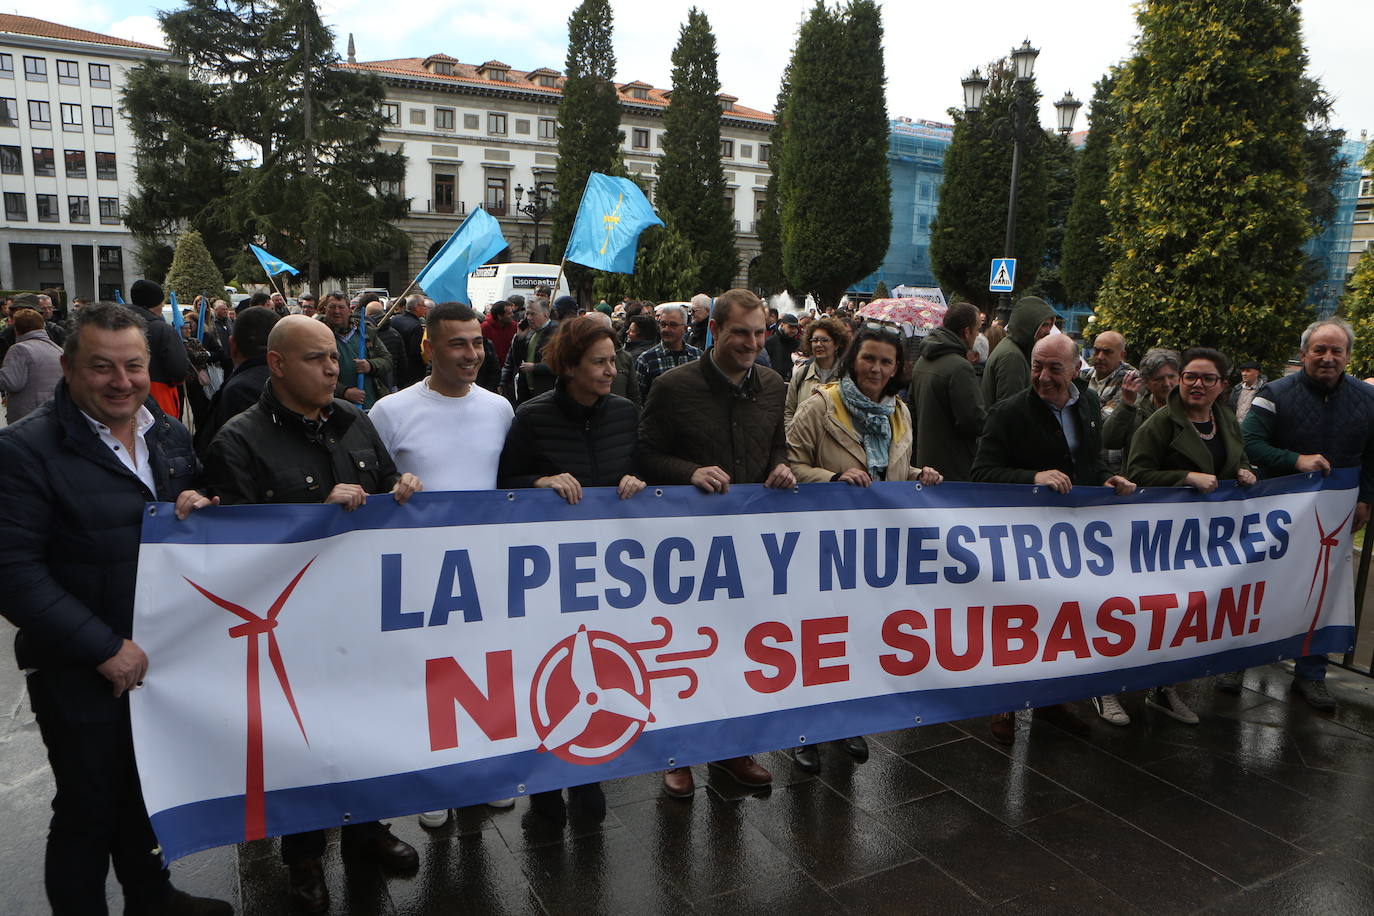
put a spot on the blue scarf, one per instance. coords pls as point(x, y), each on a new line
point(874, 423)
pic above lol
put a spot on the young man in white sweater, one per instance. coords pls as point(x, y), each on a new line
point(446, 424)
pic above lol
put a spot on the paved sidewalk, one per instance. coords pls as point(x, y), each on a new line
point(1263, 807)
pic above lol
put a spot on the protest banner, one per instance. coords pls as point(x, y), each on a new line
point(311, 667)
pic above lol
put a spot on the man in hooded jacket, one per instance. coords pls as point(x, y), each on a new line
point(1008, 368)
point(946, 404)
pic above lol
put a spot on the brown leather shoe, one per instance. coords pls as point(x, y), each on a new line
point(1003, 728)
point(678, 782)
point(745, 771)
point(378, 844)
point(306, 888)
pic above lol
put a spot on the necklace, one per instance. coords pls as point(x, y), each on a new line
point(1209, 425)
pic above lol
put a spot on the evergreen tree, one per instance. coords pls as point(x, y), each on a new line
point(589, 134)
point(833, 185)
point(1206, 198)
point(767, 274)
point(252, 63)
point(969, 228)
point(193, 271)
point(1085, 257)
point(880, 291)
point(691, 183)
point(1357, 306)
point(666, 270)
point(1061, 170)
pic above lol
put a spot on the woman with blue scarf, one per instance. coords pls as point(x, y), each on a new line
point(856, 431)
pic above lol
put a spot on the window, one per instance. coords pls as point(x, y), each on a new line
point(76, 163)
point(49, 256)
point(47, 208)
point(15, 208)
point(43, 162)
point(496, 124)
point(471, 122)
point(444, 186)
point(109, 211)
point(1366, 187)
point(765, 151)
point(9, 113)
point(7, 66)
point(730, 202)
point(105, 166)
point(417, 116)
point(923, 191)
point(11, 163)
point(71, 117)
point(78, 209)
point(391, 113)
point(760, 204)
point(443, 119)
point(640, 138)
point(111, 256)
point(496, 195)
point(99, 75)
point(102, 119)
point(640, 92)
point(40, 115)
point(389, 188)
point(36, 69)
point(549, 82)
point(727, 149)
point(522, 126)
point(68, 73)
point(746, 151)
point(1361, 216)
point(922, 222)
point(548, 129)
point(658, 141)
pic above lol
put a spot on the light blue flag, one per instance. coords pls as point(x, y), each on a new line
point(272, 265)
point(176, 312)
point(118, 298)
point(478, 240)
point(200, 320)
point(613, 213)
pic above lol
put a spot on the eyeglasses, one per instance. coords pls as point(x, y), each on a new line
point(1207, 379)
point(815, 339)
point(881, 327)
point(671, 324)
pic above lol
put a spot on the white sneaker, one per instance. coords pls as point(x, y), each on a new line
point(502, 803)
point(1167, 701)
point(1109, 708)
point(434, 819)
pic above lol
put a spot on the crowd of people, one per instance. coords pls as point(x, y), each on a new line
point(335, 401)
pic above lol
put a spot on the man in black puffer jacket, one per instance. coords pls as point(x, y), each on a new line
point(84, 466)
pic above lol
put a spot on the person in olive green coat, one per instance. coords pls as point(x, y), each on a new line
point(946, 404)
point(1008, 368)
point(1157, 375)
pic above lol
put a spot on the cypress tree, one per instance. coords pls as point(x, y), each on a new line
point(1061, 168)
point(767, 274)
point(193, 271)
point(833, 184)
point(691, 183)
point(589, 134)
point(1085, 255)
point(1207, 196)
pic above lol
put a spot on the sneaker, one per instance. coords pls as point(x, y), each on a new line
point(501, 803)
point(1231, 682)
point(1109, 708)
point(1315, 693)
point(434, 819)
point(1167, 701)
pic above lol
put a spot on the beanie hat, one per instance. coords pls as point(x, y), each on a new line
point(145, 294)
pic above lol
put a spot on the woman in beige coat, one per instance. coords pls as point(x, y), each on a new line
point(855, 430)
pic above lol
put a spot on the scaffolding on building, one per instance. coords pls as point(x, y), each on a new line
point(1330, 250)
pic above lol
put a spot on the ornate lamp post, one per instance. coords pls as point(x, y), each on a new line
point(1017, 123)
point(543, 195)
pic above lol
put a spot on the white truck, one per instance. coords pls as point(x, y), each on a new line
point(492, 282)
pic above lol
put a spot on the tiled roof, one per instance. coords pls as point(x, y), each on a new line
point(521, 80)
point(41, 28)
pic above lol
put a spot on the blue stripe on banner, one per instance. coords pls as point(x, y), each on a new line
point(191, 828)
point(289, 524)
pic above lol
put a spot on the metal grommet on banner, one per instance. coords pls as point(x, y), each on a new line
point(510, 497)
point(658, 492)
point(1027, 704)
point(672, 761)
point(347, 817)
point(1035, 489)
point(918, 486)
point(520, 789)
point(801, 739)
point(918, 720)
point(152, 509)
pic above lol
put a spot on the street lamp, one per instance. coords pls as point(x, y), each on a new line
point(1017, 124)
point(542, 198)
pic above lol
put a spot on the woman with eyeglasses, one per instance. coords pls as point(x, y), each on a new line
point(856, 431)
point(1193, 441)
point(825, 340)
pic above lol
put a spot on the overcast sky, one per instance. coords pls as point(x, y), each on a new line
point(930, 44)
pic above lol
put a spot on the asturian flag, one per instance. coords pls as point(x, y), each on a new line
point(272, 265)
point(445, 277)
point(612, 215)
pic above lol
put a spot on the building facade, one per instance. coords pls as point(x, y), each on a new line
point(1362, 218)
point(66, 157)
point(487, 135)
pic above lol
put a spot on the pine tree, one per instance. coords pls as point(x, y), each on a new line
point(969, 228)
point(1061, 169)
point(193, 271)
point(833, 184)
point(1085, 256)
point(1207, 195)
point(589, 134)
point(767, 273)
point(691, 183)
point(880, 291)
point(250, 62)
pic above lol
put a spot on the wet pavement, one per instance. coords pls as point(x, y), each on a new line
point(1263, 807)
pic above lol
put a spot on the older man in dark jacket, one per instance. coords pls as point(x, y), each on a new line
point(946, 403)
point(1049, 435)
point(711, 423)
point(525, 373)
point(90, 460)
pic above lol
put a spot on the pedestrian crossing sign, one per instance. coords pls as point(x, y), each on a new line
point(1003, 275)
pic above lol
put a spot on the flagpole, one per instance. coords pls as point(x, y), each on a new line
point(396, 305)
point(553, 294)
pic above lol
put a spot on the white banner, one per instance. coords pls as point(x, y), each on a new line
point(311, 667)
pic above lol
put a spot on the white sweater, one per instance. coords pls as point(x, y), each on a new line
point(449, 443)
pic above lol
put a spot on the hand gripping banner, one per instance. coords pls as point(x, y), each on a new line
point(311, 667)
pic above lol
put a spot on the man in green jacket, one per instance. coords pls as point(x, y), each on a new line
point(947, 410)
point(1008, 368)
point(373, 369)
